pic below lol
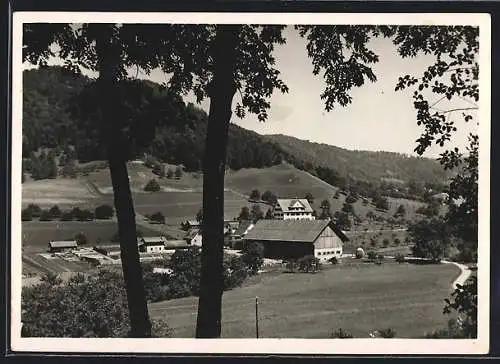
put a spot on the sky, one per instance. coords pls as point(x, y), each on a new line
point(378, 119)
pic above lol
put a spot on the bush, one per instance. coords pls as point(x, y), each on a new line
point(157, 217)
point(235, 272)
point(55, 212)
point(152, 186)
point(255, 195)
point(170, 173)
point(385, 243)
point(350, 199)
point(308, 263)
point(81, 239)
point(397, 241)
point(26, 215)
point(400, 258)
point(45, 216)
point(66, 216)
point(57, 309)
point(387, 333)
point(178, 172)
point(341, 334)
point(36, 211)
point(371, 255)
point(82, 215)
point(253, 257)
point(333, 260)
point(104, 212)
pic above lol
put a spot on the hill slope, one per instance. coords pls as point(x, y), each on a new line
point(180, 139)
point(362, 165)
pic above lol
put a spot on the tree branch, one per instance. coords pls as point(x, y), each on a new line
point(459, 109)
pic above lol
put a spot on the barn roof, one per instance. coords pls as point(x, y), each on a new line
point(63, 244)
point(152, 240)
point(243, 227)
point(287, 204)
point(292, 230)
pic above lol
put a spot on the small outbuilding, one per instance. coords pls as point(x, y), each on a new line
point(151, 244)
point(62, 246)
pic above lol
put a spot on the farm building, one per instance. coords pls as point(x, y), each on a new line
point(193, 237)
point(159, 244)
point(293, 209)
point(191, 224)
point(292, 239)
point(151, 244)
point(243, 228)
point(62, 246)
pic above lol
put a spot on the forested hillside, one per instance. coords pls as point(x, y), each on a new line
point(53, 118)
point(362, 165)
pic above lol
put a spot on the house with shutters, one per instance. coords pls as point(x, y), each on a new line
point(293, 209)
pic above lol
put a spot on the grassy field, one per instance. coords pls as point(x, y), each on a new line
point(36, 235)
point(364, 240)
point(181, 199)
point(357, 297)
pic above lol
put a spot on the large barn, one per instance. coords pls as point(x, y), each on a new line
point(292, 239)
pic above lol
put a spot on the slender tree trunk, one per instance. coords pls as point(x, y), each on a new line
point(221, 95)
point(109, 61)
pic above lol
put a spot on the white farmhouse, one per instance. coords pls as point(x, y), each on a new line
point(293, 209)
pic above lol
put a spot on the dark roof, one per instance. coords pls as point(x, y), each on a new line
point(192, 233)
point(292, 230)
point(151, 240)
point(286, 204)
point(242, 227)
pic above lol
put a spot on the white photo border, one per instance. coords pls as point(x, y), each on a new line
point(258, 346)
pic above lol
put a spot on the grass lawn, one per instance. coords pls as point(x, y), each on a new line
point(36, 234)
point(357, 297)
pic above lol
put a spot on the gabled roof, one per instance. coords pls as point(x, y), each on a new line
point(152, 240)
point(192, 233)
point(243, 227)
point(287, 204)
point(305, 231)
point(63, 244)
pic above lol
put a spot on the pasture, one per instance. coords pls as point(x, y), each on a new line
point(181, 199)
point(356, 297)
point(36, 234)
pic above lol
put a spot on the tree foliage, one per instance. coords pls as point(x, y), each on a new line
point(431, 238)
point(85, 306)
point(463, 301)
point(252, 256)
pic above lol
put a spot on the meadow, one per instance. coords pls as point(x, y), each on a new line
point(36, 235)
point(356, 297)
point(180, 199)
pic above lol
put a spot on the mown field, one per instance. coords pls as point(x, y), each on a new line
point(181, 199)
point(356, 297)
point(36, 235)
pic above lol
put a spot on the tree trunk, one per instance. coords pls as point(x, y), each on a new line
point(208, 323)
point(109, 60)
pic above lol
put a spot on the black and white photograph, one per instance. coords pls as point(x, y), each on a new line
point(284, 180)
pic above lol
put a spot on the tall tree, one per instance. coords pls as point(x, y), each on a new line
point(208, 324)
point(108, 52)
point(98, 47)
